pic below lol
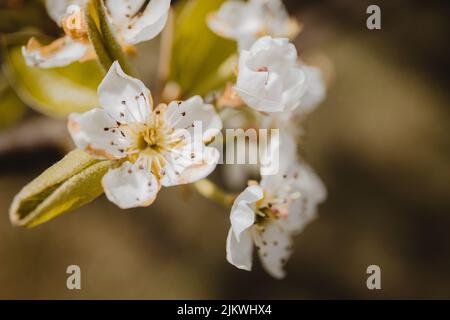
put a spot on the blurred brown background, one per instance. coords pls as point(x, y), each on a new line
point(380, 142)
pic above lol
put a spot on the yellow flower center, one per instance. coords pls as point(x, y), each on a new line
point(154, 140)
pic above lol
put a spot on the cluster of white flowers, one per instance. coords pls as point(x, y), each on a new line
point(150, 145)
point(272, 81)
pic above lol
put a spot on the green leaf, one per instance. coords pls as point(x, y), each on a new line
point(12, 108)
point(70, 183)
point(197, 53)
point(55, 92)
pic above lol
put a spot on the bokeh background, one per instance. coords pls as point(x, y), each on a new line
point(380, 142)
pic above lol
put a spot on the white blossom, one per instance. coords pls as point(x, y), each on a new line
point(269, 79)
point(291, 121)
point(133, 21)
point(245, 22)
point(151, 146)
point(267, 214)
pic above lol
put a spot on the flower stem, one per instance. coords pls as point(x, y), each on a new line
point(105, 43)
point(104, 59)
point(213, 192)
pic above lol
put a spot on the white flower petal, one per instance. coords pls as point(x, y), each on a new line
point(309, 183)
point(184, 115)
point(59, 53)
point(295, 89)
point(92, 131)
point(143, 30)
point(242, 215)
point(239, 253)
point(275, 246)
point(138, 26)
point(277, 157)
point(311, 192)
point(278, 54)
point(227, 20)
point(245, 22)
point(130, 186)
point(315, 90)
point(259, 89)
point(123, 97)
point(237, 20)
point(276, 17)
point(189, 165)
point(268, 79)
point(123, 10)
point(301, 212)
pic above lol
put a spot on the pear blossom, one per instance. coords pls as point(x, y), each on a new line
point(267, 214)
point(269, 79)
point(133, 21)
point(150, 145)
point(315, 91)
point(245, 22)
point(314, 94)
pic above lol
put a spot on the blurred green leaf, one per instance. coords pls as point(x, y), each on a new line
point(70, 183)
point(197, 53)
point(54, 92)
point(11, 107)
